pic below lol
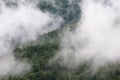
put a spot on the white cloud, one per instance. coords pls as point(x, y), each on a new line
point(23, 23)
point(96, 38)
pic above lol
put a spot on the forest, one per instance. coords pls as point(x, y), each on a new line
point(40, 52)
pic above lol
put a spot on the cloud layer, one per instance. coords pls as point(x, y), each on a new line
point(96, 38)
point(19, 24)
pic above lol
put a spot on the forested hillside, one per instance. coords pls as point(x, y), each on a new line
point(39, 53)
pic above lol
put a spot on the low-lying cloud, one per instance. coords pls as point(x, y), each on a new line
point(96, 38)
point(18, 24)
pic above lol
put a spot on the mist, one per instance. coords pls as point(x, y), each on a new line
point(21, 22)
point(96, 38)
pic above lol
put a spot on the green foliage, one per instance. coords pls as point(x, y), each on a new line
point(40, 52)
point(70, 12)
point(39, 56)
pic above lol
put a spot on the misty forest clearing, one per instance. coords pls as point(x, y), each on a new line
point(59, 40)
